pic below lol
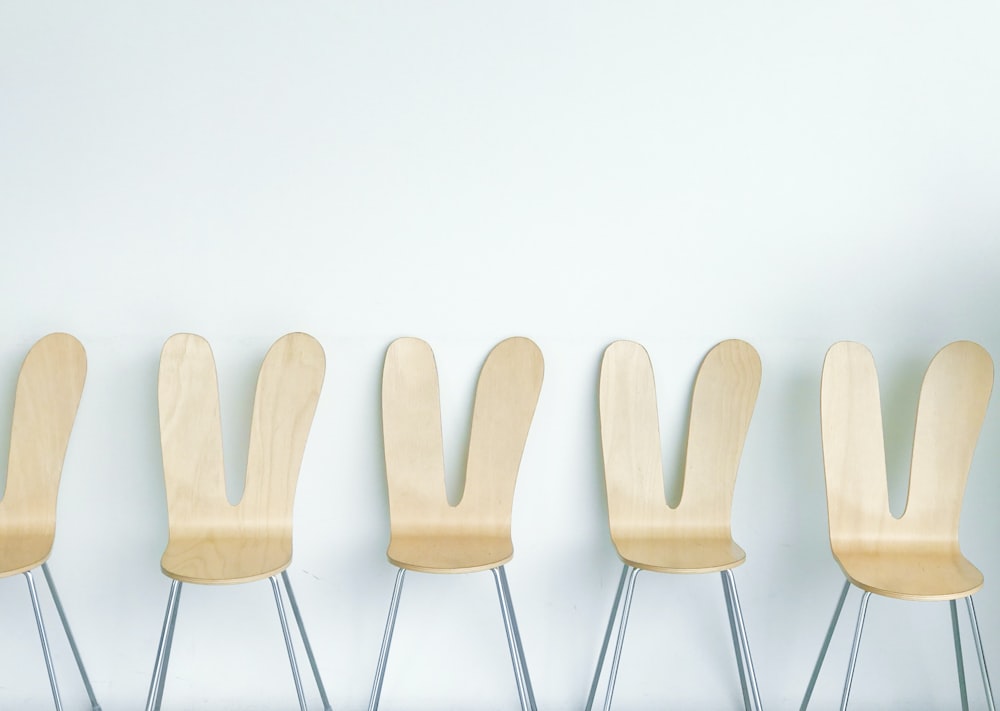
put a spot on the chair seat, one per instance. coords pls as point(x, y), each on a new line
point(911, 575)
point(449, 554)
point(223, 560)
point(21, 553)
point(680, 555)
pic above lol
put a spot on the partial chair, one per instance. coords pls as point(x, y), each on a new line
point(915, 556)
point(48, 393)
point(213, 542)
point(426, 533)
point(695, 536)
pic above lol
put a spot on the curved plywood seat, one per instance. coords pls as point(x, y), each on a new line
point(211, 540)
point(48, 393)
point(694, 537)
point(427, 534)
point(916, 556)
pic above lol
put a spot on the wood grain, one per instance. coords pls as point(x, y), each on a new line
point(211, 540)
point(694, 537)
point(427, 533)
point(46, 399)
point(916, 556)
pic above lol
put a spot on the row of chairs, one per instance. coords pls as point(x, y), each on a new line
point(915, 557)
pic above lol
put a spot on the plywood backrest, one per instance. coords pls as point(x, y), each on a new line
point(46, 399)
point(506, 395)
point(723, 400)
point(722, 404)
point(288, 388)
point(951, 410)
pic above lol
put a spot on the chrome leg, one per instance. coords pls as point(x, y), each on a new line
point(46, 652)
point(737, 648)
point(958, 656)
point(383, 655)
point(163, 649)
point(979, 653)
point(825, 647)
point(288, 642)
point(607, 639)
point(741, 628)
point(522, 691)
point(626, 605)
point(305, 640)
point(501, 576)
point(69, 636)
point(854, 650)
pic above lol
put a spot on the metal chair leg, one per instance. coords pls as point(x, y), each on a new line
point(46, 652)
point(501, 576)
point(69, 636)
point(737, 648)
point(513, 642)
point(626, 606)
point(979, 652)
point(741, 628)
point(163, 649)
point(825, 647)
point(288, 643)
point(383, 655)
point(607, 639)
point(959, 661)
point(305, 640)
point(855, 646)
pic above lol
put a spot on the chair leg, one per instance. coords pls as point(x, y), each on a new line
point(979, 652)
point(728, 576)
point(616, 658)
point(855, 646)
point(163, 649)
point(288, 643)
point(46, 652)
point(524, 690)
point(737, 649)
point(305, 640)
point(383, 655)
point(69, 636)
point(825, 647)
point(607, 639)
point(958, 655)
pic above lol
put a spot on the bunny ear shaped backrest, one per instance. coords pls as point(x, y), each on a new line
point(508, 388)
point(288, 388)
point(723, 400)
point(48, 393)
point(952, 406)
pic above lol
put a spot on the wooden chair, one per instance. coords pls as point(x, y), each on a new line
point(45, 403)
point(426, 533)
point(695, 536)
point(915, 556)
point(213, 542)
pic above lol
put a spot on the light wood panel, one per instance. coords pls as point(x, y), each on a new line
point(916, 556)
point(427, 533)
point(46, 399)
point(211, 540)
point(694, 537)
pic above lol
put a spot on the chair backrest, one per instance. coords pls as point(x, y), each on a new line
point(48, 393)
point(723, 399)
point(950, 414)
point(506, 395)
point(288, 389)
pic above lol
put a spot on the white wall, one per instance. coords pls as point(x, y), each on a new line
point(674, 173)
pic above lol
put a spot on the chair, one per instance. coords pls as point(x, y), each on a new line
point(695, 536)
point(48, 393)
point(915, 556)
point(426, 533)
point(213, 542)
